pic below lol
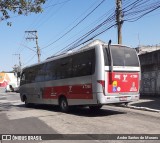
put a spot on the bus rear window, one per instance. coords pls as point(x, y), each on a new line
point(123, 56)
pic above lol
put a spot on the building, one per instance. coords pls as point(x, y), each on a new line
point(150, 68)
point(8, 79)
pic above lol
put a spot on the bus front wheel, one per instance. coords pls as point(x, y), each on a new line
point(63, 104)
point(26, 102)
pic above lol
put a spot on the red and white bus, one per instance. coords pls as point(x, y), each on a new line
point(94, 75)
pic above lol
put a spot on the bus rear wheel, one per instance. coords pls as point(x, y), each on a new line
point(95, 108)
point(63, 104)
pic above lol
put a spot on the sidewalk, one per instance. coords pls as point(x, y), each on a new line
point(146, 103)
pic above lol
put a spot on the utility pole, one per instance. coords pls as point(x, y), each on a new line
point(18, 69)
point(19, 57)
point(119, 20)
point(32, 35)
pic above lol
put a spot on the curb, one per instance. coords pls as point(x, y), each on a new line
point(142, 108)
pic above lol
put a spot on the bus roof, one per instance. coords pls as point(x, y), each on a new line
point(86, 47)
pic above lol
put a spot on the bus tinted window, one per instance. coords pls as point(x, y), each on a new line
point(77, 65)
point(40, 73)
point(84, 63)
point(122, 56)
point(30, 75)
point(59, 69)
point(23, 78)
point(65, 67)
point(49, 72)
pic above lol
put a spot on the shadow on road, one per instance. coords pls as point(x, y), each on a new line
point(78, 111)
point(88, 113)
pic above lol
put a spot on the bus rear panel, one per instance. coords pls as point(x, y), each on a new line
point(121, 81)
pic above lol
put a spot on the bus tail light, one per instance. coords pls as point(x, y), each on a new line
point(102, 82)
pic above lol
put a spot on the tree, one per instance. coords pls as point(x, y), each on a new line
point(21, 7)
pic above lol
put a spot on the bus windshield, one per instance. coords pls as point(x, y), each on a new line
point(122, 56)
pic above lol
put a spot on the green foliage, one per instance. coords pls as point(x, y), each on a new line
point(21, 7)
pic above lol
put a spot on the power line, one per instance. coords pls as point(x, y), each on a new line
point(130, 6)
point(29, 60)
point(93, 23)
point(56, 4)
point(81, 39)
point(78, 17)
point(132, 11)
point(49, 6)
point(75, 25)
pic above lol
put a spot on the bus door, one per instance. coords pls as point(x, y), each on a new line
point(39, 82)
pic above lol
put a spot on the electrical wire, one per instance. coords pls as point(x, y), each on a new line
point(39, 23)
point(132, 10)
point(75, 25)
point(92, 24)
point(56, 4)
point(29, 60)
point(135, 10)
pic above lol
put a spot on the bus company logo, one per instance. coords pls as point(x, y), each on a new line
point(70, 88)
point(52, 92)
point(124, 78)
point(6, 137)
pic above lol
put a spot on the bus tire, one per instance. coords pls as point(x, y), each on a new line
point(26, 102)
point(63, 104)
point(95, 108)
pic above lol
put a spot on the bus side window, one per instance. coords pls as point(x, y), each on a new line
point(50, 71)
point(32, 75)
point(29, 75)
point(57, 69)
point(69, 67)
point(83, 63)
point(23, 80)
point(66, 67)
point(40, 73)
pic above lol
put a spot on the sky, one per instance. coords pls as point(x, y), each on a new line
point(60, 18)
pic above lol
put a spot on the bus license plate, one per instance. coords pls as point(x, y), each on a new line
point(124, 98)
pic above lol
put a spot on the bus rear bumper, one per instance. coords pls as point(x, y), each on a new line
point(116, 98)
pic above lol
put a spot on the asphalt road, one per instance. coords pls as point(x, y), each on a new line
point(15, 118)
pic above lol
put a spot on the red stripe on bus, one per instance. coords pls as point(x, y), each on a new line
point(83, 91)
